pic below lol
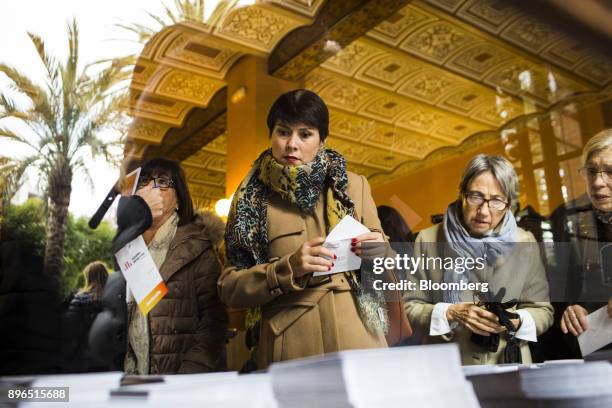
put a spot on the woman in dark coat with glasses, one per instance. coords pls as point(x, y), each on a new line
point(185, 331)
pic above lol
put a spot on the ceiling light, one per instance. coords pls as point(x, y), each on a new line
point(239, 94)
point(222, 207)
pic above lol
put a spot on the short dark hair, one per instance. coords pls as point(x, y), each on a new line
point(300, 106)
point(393, 224)
point(160, 166)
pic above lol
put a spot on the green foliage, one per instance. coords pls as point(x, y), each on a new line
point(26, 223)
point(59, 122)
point(84, 245)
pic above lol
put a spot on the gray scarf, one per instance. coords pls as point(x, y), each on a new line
point(604, 217)
point(492, 246)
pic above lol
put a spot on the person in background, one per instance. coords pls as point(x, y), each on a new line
point(95, 275)
point(587, 224)
point(296, 192)
point(185, 331)
point(31, 311)
point(480, 224)
point(400, 239)
point(393, 225)
point(82, 310)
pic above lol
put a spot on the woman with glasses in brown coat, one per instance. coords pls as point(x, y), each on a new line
point(185, 331)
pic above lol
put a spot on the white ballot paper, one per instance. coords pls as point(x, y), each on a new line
point(339, 242)
point(599, 332)
point(141, 274)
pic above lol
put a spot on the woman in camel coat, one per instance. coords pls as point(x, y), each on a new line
point(294, 195)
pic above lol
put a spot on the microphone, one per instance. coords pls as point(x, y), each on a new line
point(108, 201)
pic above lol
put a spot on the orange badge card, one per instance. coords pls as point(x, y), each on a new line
point(141, 274)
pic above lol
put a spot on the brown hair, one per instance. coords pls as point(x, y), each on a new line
point(96, 275)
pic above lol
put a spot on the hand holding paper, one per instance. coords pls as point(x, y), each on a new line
point(311, 257)
point(368, 251)
point(599, 332)
point(339, 241)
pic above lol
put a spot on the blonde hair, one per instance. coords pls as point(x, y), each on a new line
point(601, 141)
point(96, 276)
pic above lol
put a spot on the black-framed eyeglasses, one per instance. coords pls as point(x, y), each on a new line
point(163, 183)
point(591, 173)
point(477, 199)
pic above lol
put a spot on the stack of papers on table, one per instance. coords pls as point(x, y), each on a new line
point(419, 376)
point(218, 390)
point(553, 385)
point(471, 370)
point(167, 384)
point(603, 355)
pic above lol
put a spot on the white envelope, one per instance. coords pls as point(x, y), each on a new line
point(339, 241)
point(599, 332)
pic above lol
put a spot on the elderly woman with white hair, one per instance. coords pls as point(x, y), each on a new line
point(587, 224)
point(506, 302)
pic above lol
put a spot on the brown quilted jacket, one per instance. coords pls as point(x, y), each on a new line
point(188, 325)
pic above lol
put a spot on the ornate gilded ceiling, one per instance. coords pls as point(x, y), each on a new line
point(185, 65)
point(424, 79)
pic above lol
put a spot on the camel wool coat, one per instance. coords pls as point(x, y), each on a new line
point(303, 317)
point(522, 275)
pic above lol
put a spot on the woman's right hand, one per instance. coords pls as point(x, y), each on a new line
point(153, 198)
point(474, 318)
point(574, 320)
point(309, 258)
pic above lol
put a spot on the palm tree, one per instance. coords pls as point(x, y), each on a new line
point(183, 10)
point(10, 176)
point(59, 125)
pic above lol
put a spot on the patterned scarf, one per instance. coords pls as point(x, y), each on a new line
point(246, 233)
point(492, 246)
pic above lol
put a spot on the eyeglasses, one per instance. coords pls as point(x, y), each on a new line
point(591, 173)
point(163, 183)
point(476, 200)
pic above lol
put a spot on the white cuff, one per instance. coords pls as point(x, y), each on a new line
point(439, 323)
point(528, 327)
